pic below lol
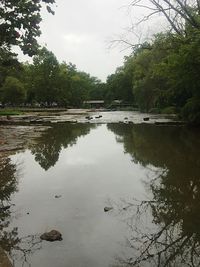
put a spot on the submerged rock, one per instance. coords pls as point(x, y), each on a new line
point(51, 236)
point(106, 209)
point(88, 118)
point(58, 196)
point(98, 117)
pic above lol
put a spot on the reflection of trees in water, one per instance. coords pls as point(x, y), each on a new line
point(46, 152)
point(26, 247)
point(49, 145)
point(8, 179)
point(9, 239)
point(172, 235)
point(159, 146)
point(8, 185)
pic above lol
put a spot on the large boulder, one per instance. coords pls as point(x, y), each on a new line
point(51, 236)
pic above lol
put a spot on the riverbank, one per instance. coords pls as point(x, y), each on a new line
point(14, 138)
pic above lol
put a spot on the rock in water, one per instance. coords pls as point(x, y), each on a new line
point(51, 236)
point(146, 119)
point(106, 209)
point(58, 196)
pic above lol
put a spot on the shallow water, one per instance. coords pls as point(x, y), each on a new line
point(90, 167)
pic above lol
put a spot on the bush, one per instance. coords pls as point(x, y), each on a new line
point(10, 112)
point(191, 110)
point(155, 111)
point(169, 110)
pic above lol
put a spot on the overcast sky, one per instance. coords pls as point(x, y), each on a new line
point(81, 30)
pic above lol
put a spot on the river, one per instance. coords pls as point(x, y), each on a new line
point(148, 174)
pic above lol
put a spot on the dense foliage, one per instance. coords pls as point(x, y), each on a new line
point(165, 75)
point(45, 82)
point(20, 23)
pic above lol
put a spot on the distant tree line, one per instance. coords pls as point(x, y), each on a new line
point(45, 82)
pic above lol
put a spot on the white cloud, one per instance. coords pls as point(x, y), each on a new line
point(75, 39)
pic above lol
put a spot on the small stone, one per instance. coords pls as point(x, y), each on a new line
point(8, 117)
point(57, 196)
point(51, 236)
point(98, 117)
point(106, 209)
point(88, 118)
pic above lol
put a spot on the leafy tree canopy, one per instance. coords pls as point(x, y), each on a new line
point(19, 23)
point(13, 91)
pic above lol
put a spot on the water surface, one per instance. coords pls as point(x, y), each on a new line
point(93, 166)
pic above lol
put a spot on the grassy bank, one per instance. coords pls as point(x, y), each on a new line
point(10, 112)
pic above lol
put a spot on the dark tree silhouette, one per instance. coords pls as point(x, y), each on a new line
point(49, 145)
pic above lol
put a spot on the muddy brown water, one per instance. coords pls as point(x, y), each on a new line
point(65, 178)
